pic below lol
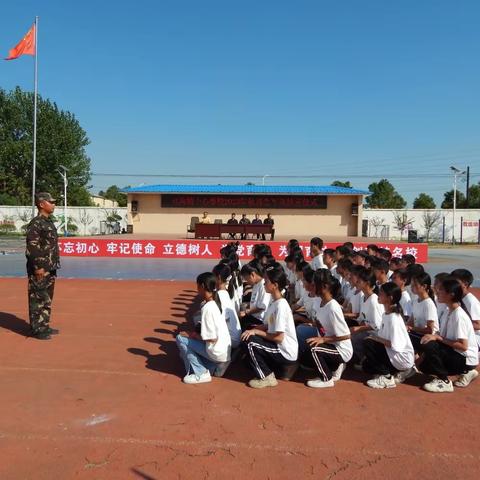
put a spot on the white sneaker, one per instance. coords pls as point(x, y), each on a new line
point(403, 375)
point(465, 379)
point(269, 381)
point(337, 374)
point(317, 383)
point(438, 386)
point(382, 381)
point(192, 379)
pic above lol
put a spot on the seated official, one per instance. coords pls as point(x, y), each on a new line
point(269, 221)
point(205, 219)
point(232, 221)
point(257, 221)
point(244, 221)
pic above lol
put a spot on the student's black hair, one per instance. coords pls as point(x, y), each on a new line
point(223, 271)
point(381, 265)
point(276, 274)
point(307, 269)
point(292, 243)
point(308, 274)
point(356, 269)
point(385, 253)
point(368, 276)
point(402, 273)
point(396, 260)
point(330, 252)
point(425, 280)
point(463, 275)
point(323, 278)
point(344, 251)
point(394, 293)
point(344, 263)
point(261, 249)
point(317, 241)
point(373, 247)
point(229, 249)
point(409, 258)
point(360, 253)
point(452, 286)
point(348, 245)
point(296, 251)
point(440, 277)
point(414, 269)
point(253, 266)
point(208, 281)
point(300, 265)
point(268, 260)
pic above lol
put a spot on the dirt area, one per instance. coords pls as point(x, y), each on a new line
point(104, 400)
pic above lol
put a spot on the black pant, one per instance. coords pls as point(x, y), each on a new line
point(441, 360)
point(376, 359)
point(415, 338)
point(264, 356)
point(327, 359)
point(249, 321)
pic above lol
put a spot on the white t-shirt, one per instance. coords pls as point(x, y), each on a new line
point(442, 312)
point(259, 299)
point(213, 326)
point(406, 303)
point(231, 317)
point(424, 311)
point(317, 262)
point(330, 317)
point(333, 271)
point(299, 289)
point(473, 307)
point(345, 286)
point(401, 353)
point(457, 325)
point(371, 312)
point(291, 277)
point(356, 300)
point(279, 318)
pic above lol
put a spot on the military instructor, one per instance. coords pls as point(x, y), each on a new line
point(43, 261)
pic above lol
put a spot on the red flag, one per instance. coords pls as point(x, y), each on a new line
point(26, 46)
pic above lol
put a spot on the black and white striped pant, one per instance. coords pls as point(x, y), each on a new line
point(327, 359)
point(264, 356)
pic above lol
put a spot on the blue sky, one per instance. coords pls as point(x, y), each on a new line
point(357, 89)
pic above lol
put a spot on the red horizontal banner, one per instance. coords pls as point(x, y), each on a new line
point(92, 247)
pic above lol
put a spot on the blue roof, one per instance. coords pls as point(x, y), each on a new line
point(251, 189)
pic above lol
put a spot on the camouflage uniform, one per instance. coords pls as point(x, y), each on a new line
point(41, 252)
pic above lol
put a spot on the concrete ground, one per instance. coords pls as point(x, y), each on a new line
point(104, 400)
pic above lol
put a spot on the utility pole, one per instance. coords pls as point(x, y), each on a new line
point(467, 193)
point(456, 172)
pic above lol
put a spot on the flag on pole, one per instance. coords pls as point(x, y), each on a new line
point(26, 46)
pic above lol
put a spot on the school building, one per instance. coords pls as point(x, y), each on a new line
point(296, 210)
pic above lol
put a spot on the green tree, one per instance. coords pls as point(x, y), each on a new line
point(474, 197)
point(448, 199)
point(114, 193)
point(424, 201)
point(384, 195)
point(338, 183)
point(60, 141)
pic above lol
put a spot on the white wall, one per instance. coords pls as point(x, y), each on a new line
point(388, 230)
point(92, 217)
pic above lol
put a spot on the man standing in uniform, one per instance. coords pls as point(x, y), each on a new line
point(269, 221)
point(43, 261)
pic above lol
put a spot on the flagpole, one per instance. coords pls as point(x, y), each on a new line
point(34, 167)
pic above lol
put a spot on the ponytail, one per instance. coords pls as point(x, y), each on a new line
point(394, 293)
point(425, 280)
point(208, 282)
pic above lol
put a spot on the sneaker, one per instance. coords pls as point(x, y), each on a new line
point(403, 375)
point(42, 335)
point(337, 374)
point(438, 386)
point(269, 381)
point(221, 369)
point(382, 381)
point(318, 383)
point(465, 379)
point(192, 379)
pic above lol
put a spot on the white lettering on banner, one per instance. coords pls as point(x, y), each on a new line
point(149, 249)
point(69, 247)
point(168, 249)
point(112, 248)
point(249, 250)
point(93, 248)
point(283, 251)
point(206, 251)
point(137, 248)
point(412, 251)
point(81, 247)
point(181, 248)
point(397, 252)
point(241, 251)
point(194, 249)
point(307, 251)
point(125, 248)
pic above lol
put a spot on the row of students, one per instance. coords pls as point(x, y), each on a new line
point(314, 336)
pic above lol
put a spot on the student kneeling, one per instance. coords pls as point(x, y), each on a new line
point(273, 344)
point(389, 355)
point(206, 352)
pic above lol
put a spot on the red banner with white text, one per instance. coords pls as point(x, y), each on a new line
point(204, 249)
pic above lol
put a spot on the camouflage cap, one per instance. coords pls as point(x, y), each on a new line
point(43, 197)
